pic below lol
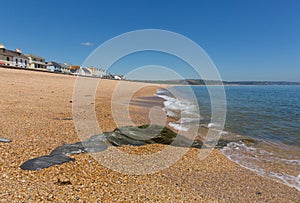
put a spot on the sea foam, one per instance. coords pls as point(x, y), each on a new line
point(258, 160)
point(186, 111)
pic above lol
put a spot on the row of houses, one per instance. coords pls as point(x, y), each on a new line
point(16, 59)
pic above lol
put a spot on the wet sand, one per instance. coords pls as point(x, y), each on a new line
point(36, 114)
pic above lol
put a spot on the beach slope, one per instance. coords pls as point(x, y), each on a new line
point(36, 115)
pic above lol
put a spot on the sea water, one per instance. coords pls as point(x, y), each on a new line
point(268, 114)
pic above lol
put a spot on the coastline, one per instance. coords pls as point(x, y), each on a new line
point(30, 102)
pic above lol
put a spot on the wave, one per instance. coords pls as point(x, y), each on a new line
point(292, 181)
point(178, 127)
point(264, 163)
point(185, 111)
point(213, 125)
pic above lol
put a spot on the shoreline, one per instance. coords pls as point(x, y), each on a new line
point(261, 156)
point(31, 101)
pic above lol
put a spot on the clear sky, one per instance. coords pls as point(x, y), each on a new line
point(246, 39)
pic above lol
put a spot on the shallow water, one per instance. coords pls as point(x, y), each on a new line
point(269, 114)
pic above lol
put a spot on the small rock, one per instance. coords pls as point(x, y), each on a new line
point(63, 182)
point(149, 134)
point(95, 146)
point(75, 148)
point(67, 119)
point(45, 162)
point(4, 140)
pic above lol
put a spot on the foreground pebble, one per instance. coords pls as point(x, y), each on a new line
point(4, 140)
point(45, 162)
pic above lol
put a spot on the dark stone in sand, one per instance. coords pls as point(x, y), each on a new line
point(4, 140)
point(80, 147)
point(67, 119)
point(45, 162)
point(75, 148)
point(118, 139)
point(58, 155)
point(63, 119)
point(149, 134)
point(95, 146)
point(127, 135)
point(98, 137)
point(248, 141)
point(144, 132)
point(62, 183)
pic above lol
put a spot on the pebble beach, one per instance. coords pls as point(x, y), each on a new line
point(36, 115)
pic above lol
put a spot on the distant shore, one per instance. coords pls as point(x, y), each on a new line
point(200, 82)
point(36, 114)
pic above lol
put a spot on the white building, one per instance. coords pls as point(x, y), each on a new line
point(37, 62)
point(58, 67)
point(13, 58)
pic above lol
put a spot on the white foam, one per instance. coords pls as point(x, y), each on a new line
point(179, 108)
point(241, 159)
point(189, 120)
point(178, 126)
point(251, 158)
point(288, 161)
point(161, 91)
point(221, 132)
point(176, 104)
point(213, 125)
point(170, 113)
point(292, 181)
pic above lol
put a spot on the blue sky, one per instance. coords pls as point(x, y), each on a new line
point(247, 40)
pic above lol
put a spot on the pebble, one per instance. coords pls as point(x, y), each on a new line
point(4, 140)
point(45, 162)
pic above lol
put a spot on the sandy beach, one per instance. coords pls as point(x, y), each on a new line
point(36, 114)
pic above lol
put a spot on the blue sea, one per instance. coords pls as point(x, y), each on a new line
point(268, 114)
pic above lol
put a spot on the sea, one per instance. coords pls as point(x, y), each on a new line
point(268, 114)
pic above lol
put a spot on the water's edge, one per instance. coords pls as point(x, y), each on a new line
point(265, 158)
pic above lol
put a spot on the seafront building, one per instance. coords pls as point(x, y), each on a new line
point(13, 58)
point(65, 68)
point(58, 67)
point(89, 72)
point(16, 59)
point(37, 62)
point(74, 70)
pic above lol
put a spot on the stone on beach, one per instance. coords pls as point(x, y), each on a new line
point(223, 142)
point(45, 162)
point(80, 147)
point(94, 146)
point(4, 140)
point(58, 155)
point(118, 139)
point(75, 148)
point(126, 135)
point(154, 134)
point(150, 134)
